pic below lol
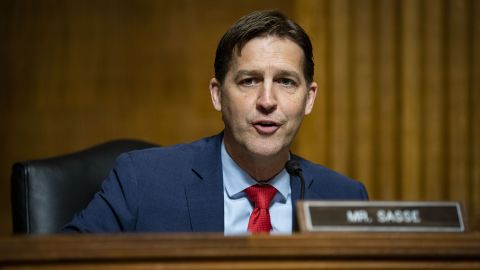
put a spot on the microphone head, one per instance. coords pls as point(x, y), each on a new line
point(293, 167)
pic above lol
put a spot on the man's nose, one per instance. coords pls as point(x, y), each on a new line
point(267, 101)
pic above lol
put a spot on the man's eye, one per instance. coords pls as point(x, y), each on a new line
point(286, 82)
point(248, 82)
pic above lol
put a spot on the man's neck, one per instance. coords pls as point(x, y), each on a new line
point(259, 168)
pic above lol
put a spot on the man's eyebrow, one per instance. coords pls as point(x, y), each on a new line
point(281, 73)
point(244, 72)
point(288, 73)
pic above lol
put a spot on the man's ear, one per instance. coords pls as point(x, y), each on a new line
point(311, 95)
point(215, 93)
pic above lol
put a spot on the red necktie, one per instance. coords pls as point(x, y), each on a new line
point(260, 196)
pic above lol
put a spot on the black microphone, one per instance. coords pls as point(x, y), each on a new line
point(293, 168)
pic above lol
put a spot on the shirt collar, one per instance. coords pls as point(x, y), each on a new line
point(235, 179)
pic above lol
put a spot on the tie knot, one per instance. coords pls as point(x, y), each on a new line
point(261, 195)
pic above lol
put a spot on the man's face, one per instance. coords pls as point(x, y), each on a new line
point(264, 97)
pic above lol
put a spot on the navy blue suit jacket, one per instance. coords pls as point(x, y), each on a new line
point(180, 189)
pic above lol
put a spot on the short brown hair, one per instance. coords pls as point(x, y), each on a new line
point(258, 24)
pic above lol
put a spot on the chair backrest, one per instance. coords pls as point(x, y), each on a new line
point(46, 193)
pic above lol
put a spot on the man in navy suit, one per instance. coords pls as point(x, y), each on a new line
point(263, 87)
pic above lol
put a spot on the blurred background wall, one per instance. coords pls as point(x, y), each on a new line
point(398, 106)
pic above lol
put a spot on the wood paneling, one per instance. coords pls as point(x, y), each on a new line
point(434, 104)
point(411, 95)
point(397, 107)
point(402, 97)
point(458, 100)
point(363, 90)
point(475, 130)
point(339, 89)
point(387, 100)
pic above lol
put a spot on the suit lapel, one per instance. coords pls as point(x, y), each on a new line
point(205, 192)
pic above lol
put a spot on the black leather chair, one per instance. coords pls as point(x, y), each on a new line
point(47, 192)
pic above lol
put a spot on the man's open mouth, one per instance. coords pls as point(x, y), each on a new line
point(266, 127)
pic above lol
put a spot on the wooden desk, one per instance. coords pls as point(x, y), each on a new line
point(213, 251)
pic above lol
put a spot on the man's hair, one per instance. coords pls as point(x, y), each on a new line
point(261, 24)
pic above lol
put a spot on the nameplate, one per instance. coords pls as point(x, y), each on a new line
point(380, 216)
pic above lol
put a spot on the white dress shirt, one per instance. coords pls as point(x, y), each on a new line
point(237, 207)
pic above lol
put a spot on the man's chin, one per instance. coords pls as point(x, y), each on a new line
point(265, 150)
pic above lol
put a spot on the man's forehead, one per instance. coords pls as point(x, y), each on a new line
point(280, 54)
point(240, 48)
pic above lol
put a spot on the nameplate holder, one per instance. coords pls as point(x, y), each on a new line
point(380, 216)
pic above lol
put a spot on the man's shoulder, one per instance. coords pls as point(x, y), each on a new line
point(329, 182)
point(173, 151)
point(169, 156)
point(318, 170)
